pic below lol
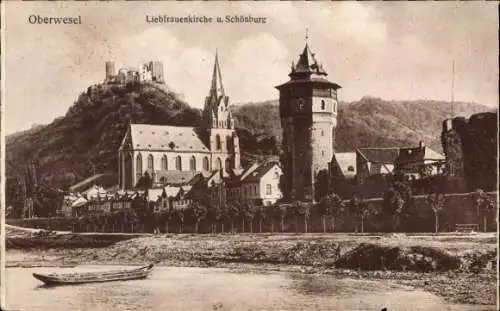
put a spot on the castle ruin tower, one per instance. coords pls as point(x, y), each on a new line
point(156, 68)
point(219, 125)
point(308, 111)
point(110, 70)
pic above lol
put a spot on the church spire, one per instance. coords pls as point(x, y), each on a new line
point(217, 88)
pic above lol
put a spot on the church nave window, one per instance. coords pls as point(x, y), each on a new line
point(192, 164)
point(178, 163)
point(151, 165)
point(164, 163)
point(138, 164)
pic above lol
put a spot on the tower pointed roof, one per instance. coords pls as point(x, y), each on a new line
point(307, 64)
point(217, 88)
point(308, 69)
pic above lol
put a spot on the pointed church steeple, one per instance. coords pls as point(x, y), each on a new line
point(218, 125)
point(217, 88)
point(216, 112)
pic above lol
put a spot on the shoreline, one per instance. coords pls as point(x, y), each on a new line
point(457, 268)
point(453, 287)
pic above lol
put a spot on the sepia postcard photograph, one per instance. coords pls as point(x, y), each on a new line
point(247, 156)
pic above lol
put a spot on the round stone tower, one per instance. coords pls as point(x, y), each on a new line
point(308, 110)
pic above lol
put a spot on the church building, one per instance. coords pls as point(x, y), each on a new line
point(175, 154)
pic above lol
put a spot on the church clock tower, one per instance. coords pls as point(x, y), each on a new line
point(308, 111)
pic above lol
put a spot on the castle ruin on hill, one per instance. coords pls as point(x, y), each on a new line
point(151, 71)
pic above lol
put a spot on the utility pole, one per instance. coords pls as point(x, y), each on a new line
point(452, 86)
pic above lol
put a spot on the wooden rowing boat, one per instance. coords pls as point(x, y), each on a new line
point(94, 277)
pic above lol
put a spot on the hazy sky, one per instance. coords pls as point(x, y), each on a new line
point(390, 50)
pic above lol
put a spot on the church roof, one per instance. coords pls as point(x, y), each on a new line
point(166, 138)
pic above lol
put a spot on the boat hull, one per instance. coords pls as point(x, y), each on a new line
point(94, 277)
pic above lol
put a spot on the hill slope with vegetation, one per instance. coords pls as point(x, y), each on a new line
point(369, 122)
point(86, 139)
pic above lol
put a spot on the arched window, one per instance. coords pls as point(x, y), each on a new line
point(138, 164)
point(192, 164)
point(334, 107)
point(178, 163)
point(322, 105)
point(322, 133)
point(219, 164)
point(228, 165)
point(164, 163)
point(151, 163)
point(206, 165)
point(217, 142)
point(229, 143)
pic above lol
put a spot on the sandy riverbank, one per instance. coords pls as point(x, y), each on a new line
point(457, 267)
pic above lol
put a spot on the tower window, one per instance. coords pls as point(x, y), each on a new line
point(322, 152)
point(228, 165)
point(322, 105)
point(301, 104)
point(229, 144)
point(205, 164)
point(219, 164)
point(322, 133)
point(217, 142)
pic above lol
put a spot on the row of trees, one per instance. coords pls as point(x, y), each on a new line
point(232, 216)
point(228, 217)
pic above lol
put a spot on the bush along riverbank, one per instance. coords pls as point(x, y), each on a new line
point(453, 267)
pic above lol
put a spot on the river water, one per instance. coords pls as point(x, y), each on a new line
point(172, 288)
